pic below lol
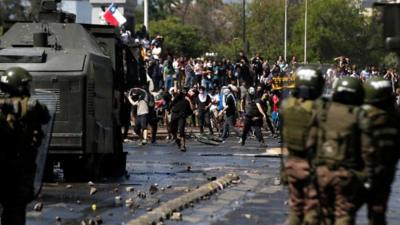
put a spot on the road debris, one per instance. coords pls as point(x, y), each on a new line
point(153, 189)
point(99, 220)
point(92, 191)
point(176, 216)
point(129, 189)
point(167, 209)
point(142, 195)
point(247, 216)
point(129, 203)
point(118, 200)
point(38, 207)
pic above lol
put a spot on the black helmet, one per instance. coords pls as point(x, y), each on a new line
point(378, 90)
point(348, 90)
point(309, 82)
point(15, 81)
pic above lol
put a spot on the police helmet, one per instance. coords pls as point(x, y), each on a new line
point(15, 81)
point(348, 90)
point(378, 90)
point(309, 82)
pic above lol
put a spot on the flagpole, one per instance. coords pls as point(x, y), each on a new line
point(146, 14)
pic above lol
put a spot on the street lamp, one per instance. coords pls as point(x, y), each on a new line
point(244, 27)
point(286, 24)
point(305, 32)
point(146, 15)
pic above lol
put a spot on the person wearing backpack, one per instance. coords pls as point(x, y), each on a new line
point(337, 136)
point(382, 124)
point(297, 111)
point(21, 120)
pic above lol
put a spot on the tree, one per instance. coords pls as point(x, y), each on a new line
point(179, 39)
point(12, 10)
point(265, 27)
point(18, 10)
point(335, 27)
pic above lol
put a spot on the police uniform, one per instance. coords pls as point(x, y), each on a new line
point(297, 112)
point(21, 134)
point(338, 159)
point(381, 123)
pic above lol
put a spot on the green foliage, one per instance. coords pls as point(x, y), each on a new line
point(191, 28)
point(179, 39)
point(391, 60)
point(229, 49)
point(334, 28)
point(161, 9)
point(17, 9)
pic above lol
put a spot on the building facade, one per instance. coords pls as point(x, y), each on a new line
point(90, 11)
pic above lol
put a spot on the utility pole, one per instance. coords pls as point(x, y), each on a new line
point(286, 24)
point(146, 15)
point(305, 32)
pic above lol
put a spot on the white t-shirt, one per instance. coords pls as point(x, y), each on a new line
point(198, 69)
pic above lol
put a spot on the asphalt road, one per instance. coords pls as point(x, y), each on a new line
point(256, 199)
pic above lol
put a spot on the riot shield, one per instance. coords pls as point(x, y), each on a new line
point(50, 100)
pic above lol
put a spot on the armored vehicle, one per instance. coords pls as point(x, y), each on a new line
point(82, 66)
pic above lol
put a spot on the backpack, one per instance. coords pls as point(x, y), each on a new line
point(12, 110)
point(297, 118)
point(339, 136)
point(383, 128)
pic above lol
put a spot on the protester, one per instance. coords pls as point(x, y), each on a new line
point(180, 108)
point(253, 116)
point(203, 104)
point(139, 99)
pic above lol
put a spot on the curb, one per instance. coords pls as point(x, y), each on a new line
point(165, 211)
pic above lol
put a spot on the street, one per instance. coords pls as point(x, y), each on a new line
point(160, 172)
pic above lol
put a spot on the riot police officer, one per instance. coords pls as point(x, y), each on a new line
point(382, 124)
point(21, 134)
point(337, 136)
point(297, 111)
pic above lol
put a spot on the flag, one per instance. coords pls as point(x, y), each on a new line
point(113, 16)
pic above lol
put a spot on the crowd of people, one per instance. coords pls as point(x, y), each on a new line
point(226, 94)
point(222, 96)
